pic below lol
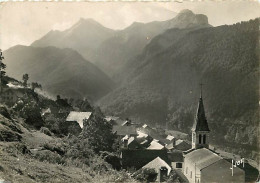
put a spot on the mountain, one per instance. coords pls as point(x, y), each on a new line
point(114, 52)
point(109, 49)
point(60, 71)
point(85, 36)
point(162, 83)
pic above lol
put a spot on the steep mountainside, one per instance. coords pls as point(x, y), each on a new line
point(85, 36)
point(162, 84)
point(60, 71)
point(116, 51)
point(109, 49)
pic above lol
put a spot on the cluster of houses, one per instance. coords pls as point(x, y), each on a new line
point(143, 146)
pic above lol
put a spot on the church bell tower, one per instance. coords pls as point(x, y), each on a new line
point(200, 129)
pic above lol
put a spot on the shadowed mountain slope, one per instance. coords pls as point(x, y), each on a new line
point(109, 49)
point(60, 71)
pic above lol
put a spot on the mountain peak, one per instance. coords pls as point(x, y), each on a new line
point(185, 11)
point(87, 22)
point(187, 15)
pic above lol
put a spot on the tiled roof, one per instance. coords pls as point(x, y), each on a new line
point(78, 116)
point(175, 156)
point(202, 157)
point(139, 157)
point(156, 164)
point(141, 134)
point(124, 130)
point(170, 137)
point(183, 145)
point(109, 118)
point(155, 145)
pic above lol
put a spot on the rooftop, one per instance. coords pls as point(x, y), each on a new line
point(78, 116)
point(156, 164)
point(155, 145)
point(124, 130)
point(202, 157)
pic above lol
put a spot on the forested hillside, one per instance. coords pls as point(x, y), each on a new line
point(162, 84)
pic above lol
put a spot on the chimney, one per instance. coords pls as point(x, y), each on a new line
point(125, 143)
point(163, 174)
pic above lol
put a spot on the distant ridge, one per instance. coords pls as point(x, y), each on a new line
point(110, 49)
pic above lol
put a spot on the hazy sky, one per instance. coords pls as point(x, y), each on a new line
point(24, 22)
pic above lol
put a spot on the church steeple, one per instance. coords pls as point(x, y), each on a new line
point(200, 123)
point(200, 129)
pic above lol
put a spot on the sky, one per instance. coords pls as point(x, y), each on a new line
point(24, 22)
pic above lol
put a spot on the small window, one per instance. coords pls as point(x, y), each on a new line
point(204, 139)
point(199, 138)
point(190, 174)
point(178, 165)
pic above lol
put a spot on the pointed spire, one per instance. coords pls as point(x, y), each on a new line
point(200, 123)
point(201, 84)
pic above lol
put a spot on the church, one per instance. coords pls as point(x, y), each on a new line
point(203, 165)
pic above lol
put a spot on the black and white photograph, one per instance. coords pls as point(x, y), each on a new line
point(129, 91)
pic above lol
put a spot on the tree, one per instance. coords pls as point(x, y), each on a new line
point(2, 68)
point(36, 85)
point(2, 65)
point(58, 97)
point(25, 79)
point(98, 132)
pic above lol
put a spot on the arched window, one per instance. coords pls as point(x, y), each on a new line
point(199, 138)
point(204, 139)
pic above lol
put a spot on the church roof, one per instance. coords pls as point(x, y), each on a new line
point(202, 157)
point(200, 123)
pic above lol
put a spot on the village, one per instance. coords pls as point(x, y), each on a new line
point(145, 147)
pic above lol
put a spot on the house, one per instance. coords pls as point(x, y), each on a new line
point(170, 138)
point(202, 164)
point(137, 158)
point(79, 117)
point(161, 168)
point(114, 120)
point(111, 118)
point(155, 145)
point(156, 164)
point(182, 145)
point(122, 131)
point(176, 158)
point(130, 143)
